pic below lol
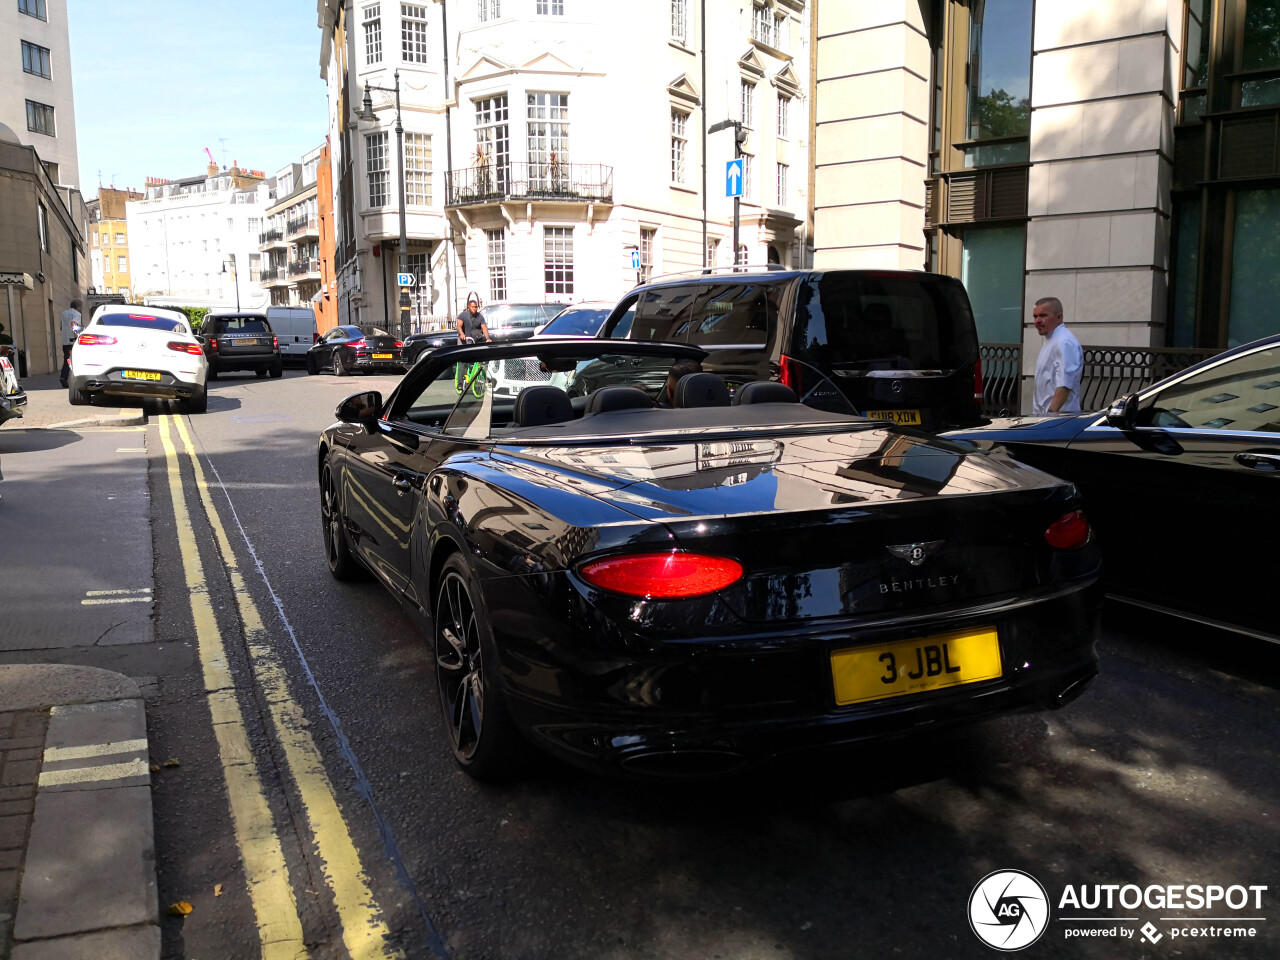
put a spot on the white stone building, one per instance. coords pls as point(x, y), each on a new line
point(541, 151)
point(290, 242)
point(36, 100)
point(193, 242)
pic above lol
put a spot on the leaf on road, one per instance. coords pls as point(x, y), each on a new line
point(217, 889)
point(172, 762)
point(180, 909)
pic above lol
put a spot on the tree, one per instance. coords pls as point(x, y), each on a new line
point(999, 115)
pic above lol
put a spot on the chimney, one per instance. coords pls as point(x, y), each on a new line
point(213, 169)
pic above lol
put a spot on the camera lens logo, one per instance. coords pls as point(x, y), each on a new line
point(1008, 910)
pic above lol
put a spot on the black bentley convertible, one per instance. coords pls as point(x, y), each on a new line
point(682, 590)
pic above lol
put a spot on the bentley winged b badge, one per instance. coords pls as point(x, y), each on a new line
point(915, 553)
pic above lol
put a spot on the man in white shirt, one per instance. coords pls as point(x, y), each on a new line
point(1060, 364)
point(70, 330)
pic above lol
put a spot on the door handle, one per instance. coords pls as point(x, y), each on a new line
point(1259, 461)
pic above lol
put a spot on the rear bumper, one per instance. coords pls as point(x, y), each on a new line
point(252, 361)
point(11, 407)
point(706, 708)
point(112, 383)
point(368, 363)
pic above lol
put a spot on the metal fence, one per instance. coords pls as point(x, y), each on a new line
point(1109, 373)
point(492, 182)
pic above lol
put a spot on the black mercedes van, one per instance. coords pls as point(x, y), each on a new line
point(899, 345)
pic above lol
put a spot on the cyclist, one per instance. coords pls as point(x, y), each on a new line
point(471, 325)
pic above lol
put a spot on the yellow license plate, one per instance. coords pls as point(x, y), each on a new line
point(907, 418)
point(383, 356)
point(913, 666)
point(139, 375)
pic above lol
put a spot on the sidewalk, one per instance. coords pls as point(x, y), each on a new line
point(77, 847)
point(47, 406)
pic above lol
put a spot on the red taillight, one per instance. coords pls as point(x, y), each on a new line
point(95, 340)
point(191, 348)
point(315, 337)
point(357, 344)
point(399, 344)
point(213, 344)
point(662, 576)
point(275, 343)
point(977, 382)
point(1068, 532)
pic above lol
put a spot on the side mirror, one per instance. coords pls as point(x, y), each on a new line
point(1123, 412)
point(362, 408)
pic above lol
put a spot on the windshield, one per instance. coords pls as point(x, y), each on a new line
point(146, 321)
point(242, 325)
point(576, 323)
point(514, 315)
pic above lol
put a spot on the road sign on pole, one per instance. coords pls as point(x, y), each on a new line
point(733, 178)
point(635, 259)
point(406, 279)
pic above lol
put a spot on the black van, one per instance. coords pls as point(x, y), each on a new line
point(899, 345)
point(240, 340)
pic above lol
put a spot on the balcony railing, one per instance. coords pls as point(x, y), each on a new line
point(273, 275)
point(302, 225)
point(271, 236)
point(1109, 373)
point(300, 268)
point(491, 183)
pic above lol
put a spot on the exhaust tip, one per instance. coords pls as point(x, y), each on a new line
point(1072, 690)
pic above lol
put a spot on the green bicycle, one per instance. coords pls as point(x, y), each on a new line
point(469, 378)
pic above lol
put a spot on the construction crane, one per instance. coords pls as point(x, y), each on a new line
point(210, 153)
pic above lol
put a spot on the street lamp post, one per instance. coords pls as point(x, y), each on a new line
point(366, 113)
point(235, 277)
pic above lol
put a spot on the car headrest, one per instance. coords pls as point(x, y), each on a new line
point(541, 404)
point(702, 390)
point(608, 399)
point(764, 391)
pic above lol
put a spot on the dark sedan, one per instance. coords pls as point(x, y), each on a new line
point(345, 350)
point(1182, 483)
point(680, 592)
point(418, 344)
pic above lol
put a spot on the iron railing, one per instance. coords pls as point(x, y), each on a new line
point(270, 236)
point(1109, 373)
point(272, 275)
point(302, 225)
point(493, 182)
point(303, 267)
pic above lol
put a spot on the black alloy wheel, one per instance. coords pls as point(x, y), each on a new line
point(311, 366)
point(484, 740)
point(77, 398)
point(260, 373)
point(277, 371)
point(339, 368)
point(343, 564)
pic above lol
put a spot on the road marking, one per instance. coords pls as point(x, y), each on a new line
point(109, 771)
point(131, 449)
point(364, 931)
point(115, 593)
point(276, 910)
point(54, 754)
point(97, 598)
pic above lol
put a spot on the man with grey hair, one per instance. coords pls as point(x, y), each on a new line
point(1061, 361)
point(70, 330)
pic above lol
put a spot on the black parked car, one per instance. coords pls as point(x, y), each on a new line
point(1182, 483)
point(899, 345)
point(416, 344)
point(679, 592)
point(345, 350)
point(515, 321)
point(240, 340)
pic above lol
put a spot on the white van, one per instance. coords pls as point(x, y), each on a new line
point(295, 327)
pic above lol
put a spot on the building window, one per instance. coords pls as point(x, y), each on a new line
point(417, 169)
point(1254, 273)
point(762, 25)
point(992, 267)
point(42, 218)
point(416, 263)
point(999, 102)
point(557, 259)
point(782, 185)
point(93, 239)
point(122, 264)
point(1260, 51)
point(647, 236)
point(548, 141)
point(35, 59)
point(373, 34)
point(679, 144)
point(493, 144)
point(496, 253)
point(375, 149)
point(40, 118)
point(413, 32)
point(748, 180)
point(1195, 62)
point(33, 8)
point(713, 247)
point(679, 19)
point(748, 104)
point(119, 239)
point(489, 10)
point(1186, 266)
point(742, 254)
point(551, 8)
point(784, 115)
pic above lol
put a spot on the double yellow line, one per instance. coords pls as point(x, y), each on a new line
point(365, 934)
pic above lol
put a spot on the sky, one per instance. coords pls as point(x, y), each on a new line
point(157, 81)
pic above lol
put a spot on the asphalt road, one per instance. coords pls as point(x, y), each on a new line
point(1164, 773)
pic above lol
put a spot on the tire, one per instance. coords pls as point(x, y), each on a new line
point(260, 373)
point(483, 738)
point(277, 371)
point(343, 564)
point(75, 397)
point(339, 369)
point(213, 373)
point(311, 366)
point(196, 403)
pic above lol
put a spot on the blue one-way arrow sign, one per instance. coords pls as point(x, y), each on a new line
point(733, 178)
